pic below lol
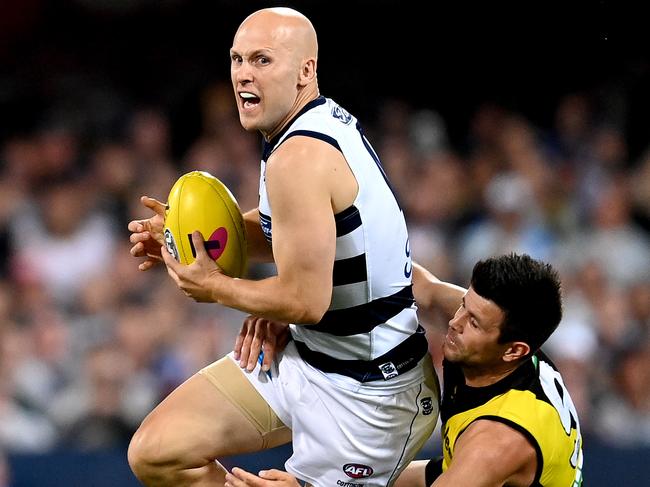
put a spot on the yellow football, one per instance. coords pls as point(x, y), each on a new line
point(200, 201)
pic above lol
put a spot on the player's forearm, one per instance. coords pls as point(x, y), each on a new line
point(272, 298)
point(432, 293)
point(471, 476)
point(413, 475)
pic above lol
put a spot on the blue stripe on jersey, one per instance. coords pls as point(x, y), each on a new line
point(347, 221)
point(316, 135)
point(363, 318)
point(399, 360)
point(265, 222)
point(348, 271)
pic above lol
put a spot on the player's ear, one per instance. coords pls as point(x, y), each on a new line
point(308, 71)
point(515, 351)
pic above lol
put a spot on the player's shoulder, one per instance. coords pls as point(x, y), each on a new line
point(313, 138)
point(301, 155)
point(323, 115)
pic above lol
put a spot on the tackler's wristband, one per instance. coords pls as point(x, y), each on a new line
point(433, 470)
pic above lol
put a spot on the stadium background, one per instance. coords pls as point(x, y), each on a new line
point(504, 126)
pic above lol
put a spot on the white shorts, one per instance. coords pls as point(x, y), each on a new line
point(343, 437)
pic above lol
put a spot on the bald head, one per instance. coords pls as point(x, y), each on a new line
point(286, 27)
point(273, 68)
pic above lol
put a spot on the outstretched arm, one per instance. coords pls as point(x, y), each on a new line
point(431, 293)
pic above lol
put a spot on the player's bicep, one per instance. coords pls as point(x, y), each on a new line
point(304, 230)
point(489, 454)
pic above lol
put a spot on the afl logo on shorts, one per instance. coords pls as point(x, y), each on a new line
point(357, 470)
point(341, 114)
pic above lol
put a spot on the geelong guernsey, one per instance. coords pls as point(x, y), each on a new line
point(532, 400)
point(370, 331)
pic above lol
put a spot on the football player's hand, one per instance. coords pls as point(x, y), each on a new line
point(196, 280)
point(267, 478)
point(259, 334)
point(147, 235)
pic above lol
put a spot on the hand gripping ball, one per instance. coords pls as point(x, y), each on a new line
point(200, 201)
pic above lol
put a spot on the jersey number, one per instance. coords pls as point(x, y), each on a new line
point(559, 397)
point(408, 267)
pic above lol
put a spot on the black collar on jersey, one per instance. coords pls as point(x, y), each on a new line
point(459, 397)
point(270, 145)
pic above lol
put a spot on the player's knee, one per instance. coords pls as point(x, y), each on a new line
point(159, 454)
point(148, 456)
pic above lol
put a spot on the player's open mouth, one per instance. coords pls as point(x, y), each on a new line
point(450, 339)
point(249, 100)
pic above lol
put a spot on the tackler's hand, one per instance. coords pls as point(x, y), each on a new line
point(256, 335)
point(267, 478)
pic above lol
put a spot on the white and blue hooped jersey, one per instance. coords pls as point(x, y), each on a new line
point(370, 331)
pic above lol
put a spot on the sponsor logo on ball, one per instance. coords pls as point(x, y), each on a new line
point(170, 243)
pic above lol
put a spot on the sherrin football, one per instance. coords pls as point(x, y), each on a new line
point(200, 201)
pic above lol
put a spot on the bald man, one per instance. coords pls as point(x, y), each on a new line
point(354, 389)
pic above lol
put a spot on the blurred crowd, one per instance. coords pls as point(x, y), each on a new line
point(89, 344)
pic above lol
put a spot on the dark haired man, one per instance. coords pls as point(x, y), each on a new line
point(507, 418)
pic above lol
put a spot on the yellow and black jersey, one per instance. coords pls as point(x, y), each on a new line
point(532, 400)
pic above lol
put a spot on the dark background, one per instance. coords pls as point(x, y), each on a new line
point(448, 56)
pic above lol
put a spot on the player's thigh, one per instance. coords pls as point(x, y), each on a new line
point(199, 420)
point(226, 376)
